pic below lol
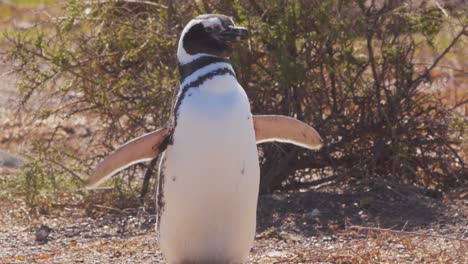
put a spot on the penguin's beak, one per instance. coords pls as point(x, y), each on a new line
point(234, 34)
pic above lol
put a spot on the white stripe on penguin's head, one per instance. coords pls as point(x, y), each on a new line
point(182, 56)
point(208, 35)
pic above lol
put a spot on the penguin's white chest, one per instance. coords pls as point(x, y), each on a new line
point(211, 177)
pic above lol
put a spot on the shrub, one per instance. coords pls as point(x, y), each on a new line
point(346, 67)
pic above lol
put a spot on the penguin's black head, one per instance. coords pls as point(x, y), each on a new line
point(210, 34)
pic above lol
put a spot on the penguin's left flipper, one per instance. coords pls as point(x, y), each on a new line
point(140, 149)
point(285, 129)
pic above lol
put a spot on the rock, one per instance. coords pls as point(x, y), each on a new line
point(42, 234)
point(314, 213)
point(10, 161)
point(329, 238)
point(276, 254)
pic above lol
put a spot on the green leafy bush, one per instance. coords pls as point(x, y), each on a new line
point(345, 67)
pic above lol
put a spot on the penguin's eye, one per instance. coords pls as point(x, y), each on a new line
point(211, 29)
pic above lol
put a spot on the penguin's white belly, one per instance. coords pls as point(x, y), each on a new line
point(211, 178)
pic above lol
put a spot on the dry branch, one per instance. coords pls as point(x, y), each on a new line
point(74, 174)
point(127, 1)
point(427, 72)
point(406, 233)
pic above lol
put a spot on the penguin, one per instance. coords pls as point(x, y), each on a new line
point(209, 172)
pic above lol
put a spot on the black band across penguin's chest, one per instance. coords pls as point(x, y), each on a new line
point(199, 81)
point(196, 83)
point(189, 68)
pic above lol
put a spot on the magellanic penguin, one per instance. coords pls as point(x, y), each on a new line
point(209, 171)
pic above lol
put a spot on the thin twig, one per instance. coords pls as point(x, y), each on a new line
point(127, 1)
point(94, 189)
point(67, 68)
point(110, 209)
point(442, 55)
point(441, 8)
point(74, 174)
point(403, 228)
point(407, 233)
point(305, 185)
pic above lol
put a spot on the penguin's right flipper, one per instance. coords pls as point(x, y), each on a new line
point(286, 129)
point(140, 149)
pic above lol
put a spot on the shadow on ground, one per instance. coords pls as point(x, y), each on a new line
point(307, 227)
point(316, 213)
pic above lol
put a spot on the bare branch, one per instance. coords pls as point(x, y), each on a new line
point(407, 233)
point(441, 8)
point(426, 73)
point(127, 1)
point(74, 174)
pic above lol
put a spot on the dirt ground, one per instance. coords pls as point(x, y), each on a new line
point(309, 227)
